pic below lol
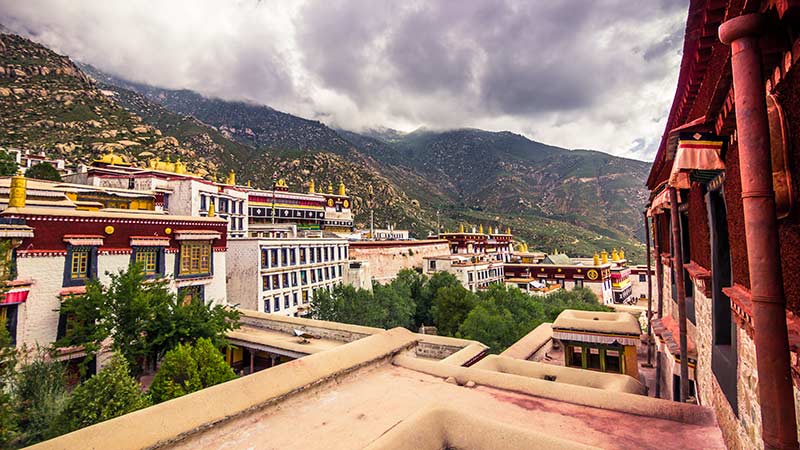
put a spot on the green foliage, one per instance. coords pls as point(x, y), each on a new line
point(450, 307)
point(40, 395)
point(8, 164)
point(43, 171)
point(425, 298)
point(396, 304)
point(110, 393)
point(346, 304)
point(189, 368)
point(8, 362)
point(144, 318)
point(415, 282)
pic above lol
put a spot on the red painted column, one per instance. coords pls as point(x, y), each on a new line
point(680, 287)
point(649, 295)
point(660, 288)
point(775, 390)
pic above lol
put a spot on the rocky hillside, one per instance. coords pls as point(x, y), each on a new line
point(578, 201)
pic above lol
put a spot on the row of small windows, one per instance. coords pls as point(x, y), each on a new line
point(293, 299)
point(283, 257)
point(222, 205)
point(194, 259)
point(484, 274)
point(300, 278)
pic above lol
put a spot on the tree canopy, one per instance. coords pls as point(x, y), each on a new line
point(43, 171)
point(189, 368)
point(110, 393)
point(8, 164)
point(143, 318)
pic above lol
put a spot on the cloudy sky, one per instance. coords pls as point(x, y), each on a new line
point(594, 74)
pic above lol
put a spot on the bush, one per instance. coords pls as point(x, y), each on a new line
point(110, 393)
point(450, 308)
point(43, 171)
point(40, 393)
point(189, 368)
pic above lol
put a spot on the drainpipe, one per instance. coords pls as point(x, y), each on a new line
point(649, 296)
point(775, 390)
point(660, 288)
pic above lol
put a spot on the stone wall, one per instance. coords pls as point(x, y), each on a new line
point(387, 258)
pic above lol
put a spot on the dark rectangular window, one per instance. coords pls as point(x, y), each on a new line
point(194, 258)
point(575, 356)
point(80, 265)
point(286, 301)
point(613, 361)
point(593, 358)
point(150, 259)
point(8, 313)
point(276, 304)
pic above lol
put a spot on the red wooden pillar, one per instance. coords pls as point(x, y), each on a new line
point(775, 390)
point(649, 295)
point(252, 361)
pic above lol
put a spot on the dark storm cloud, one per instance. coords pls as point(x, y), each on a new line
point(577, 73)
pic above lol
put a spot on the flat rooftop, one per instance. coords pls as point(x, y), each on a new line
point(374, 393)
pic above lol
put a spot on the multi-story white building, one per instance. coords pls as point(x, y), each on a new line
point(474, 273)
point(281, 275)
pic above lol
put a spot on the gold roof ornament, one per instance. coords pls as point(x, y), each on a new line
point(248, 184)
point(508, 230)
point(621, 254)
point(614, 255)
point(596, 259)
point(480, 230)
point(281, 183)
point(231, 178)
point(342, 190)
point(311, 187)
point(211, 212)
point(330, 187)
point(152, 163)
point(180, 168)
point(490, 230)
point(604, 256)
point(18, 192)
point(461, 228)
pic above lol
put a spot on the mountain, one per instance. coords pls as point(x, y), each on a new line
point(578, 201)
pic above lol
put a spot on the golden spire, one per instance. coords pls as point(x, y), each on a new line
point(330, 187)
point(311, 187)
point(461, 228)
point(622, 254)
point(211, 212)
point(17, 193)
point(596, 259)
point(480, 230)
point(179, 167)
point(604, 256)
point(614, 255)
point(342, 190)
point(508, 230)
point(231, 178)
point(248, 183)
point(490, 230)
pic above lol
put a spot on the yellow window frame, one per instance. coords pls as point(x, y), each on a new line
point(195, 258)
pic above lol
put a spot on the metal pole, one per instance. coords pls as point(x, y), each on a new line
point(775, 387)
point(649, 296)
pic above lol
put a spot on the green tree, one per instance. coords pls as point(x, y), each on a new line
point(8, 164)
point(110, 393)
point(40, 395)
point(451, 305)
point(346, 304)
point(395, 304)
point(189, 368)
point(8, 363)
point(425, 301)
point(143, 318)
point(415, 282)
point(43, 171)
point(490, 325)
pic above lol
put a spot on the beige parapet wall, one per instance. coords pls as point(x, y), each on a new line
point(435, 428)
point(533, 345)
point(579, 395)
point(429, 346)
point(561, 374)
point(184, 416)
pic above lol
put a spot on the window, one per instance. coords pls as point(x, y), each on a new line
point(302, 256)
point(319, 254)
point(203, 202)
point(292, 256)
point(188, 294)
point(284, 257)
point(340, 252)
point(294, 298)
point(80, 265)
point(264, 258)
point(575, 356)
point(469, 277)
point(150, 259)
point(276, 304)
point(9, 314)
point(273, 257)
point(276, 284)
point(303, 277)
point(613, 361)
point(340, 270)
point(578, 283)
point(286, 301)
point(593, 358)
point(266, 306)
point(313, 276)
point(294, 278)
point(195, 258)
point(432, 265)
point(266, 283)
point(285, 279)
point(643, 278)
point(305, 296)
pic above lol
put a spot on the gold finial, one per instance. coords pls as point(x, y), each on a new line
point(342, 190)
point(311, 187)
point(596, 259)
point(508, 230)
point(17, 192)
point(231, 178)
point(330, 187)
point(152, 163)
point(248, 183)
point(614, 255)
point(461, 228)
point(490, 230)
point(604, 256)
point(211, 212)
point(622, 254)
point(480, 230)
